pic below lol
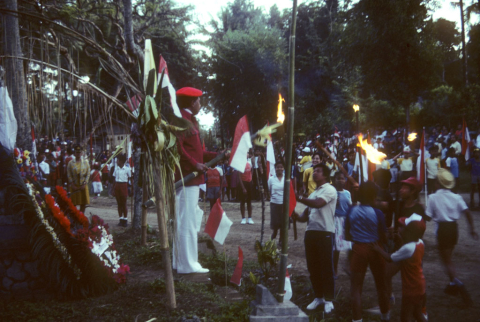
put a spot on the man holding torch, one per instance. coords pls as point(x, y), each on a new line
point(192, 159)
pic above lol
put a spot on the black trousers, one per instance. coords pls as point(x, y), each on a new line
point(319, 254)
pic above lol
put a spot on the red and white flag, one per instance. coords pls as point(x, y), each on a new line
point(241, 144)
point(364, 165)
point(465, 141)
point(218, 225)
point(270, 160)
point(166, 83)
point(237, 273)
point(288, 288)
point(421, 160)
point(293, 200)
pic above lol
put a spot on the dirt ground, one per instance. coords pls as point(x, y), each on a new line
point(441, 307)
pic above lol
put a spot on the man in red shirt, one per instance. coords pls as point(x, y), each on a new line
point(192, 158)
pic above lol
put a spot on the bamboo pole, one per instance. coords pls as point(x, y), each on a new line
point(162, 229)
point(144, 215)
point(288, 156)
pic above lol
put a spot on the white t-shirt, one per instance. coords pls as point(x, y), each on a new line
point(45, 167)
point(432, 167)
point(445, 205)
point(275, 187)
point(122, 174)
point(322, 219)
point(220, 170)
point(457, 146)
point(406, 251)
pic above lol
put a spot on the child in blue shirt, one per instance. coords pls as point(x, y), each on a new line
point(344, 202)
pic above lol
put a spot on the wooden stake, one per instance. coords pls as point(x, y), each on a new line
point(162, 229)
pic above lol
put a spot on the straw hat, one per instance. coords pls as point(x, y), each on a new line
point(446, 179)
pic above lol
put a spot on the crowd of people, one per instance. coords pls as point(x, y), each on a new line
point(377, 219)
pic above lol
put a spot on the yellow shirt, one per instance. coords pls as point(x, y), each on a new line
point(405, 164)
point(308, 180)
point(306, 159)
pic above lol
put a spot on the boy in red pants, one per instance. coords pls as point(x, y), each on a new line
point(410, 256)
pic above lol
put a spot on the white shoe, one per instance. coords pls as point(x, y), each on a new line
point(316, 302)
point(328, 307)
point(244, 221)
point(374, 310)
point(202, 271)
point(250, 221)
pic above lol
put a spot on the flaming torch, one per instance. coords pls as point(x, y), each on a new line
point(280, 115)
point(356, 108)
point(412, 137)
point(372, 155)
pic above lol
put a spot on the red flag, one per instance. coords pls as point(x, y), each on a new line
point(293, 200)
point(421, 161)
point(204, 145)
point(241, 144)
point(218, 225)
point(465, 141)
point(237, 273)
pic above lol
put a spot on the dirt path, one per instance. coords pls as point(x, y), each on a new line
point(440, 307)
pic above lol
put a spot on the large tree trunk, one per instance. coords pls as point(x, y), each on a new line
point(132, 49)
point(14, 74)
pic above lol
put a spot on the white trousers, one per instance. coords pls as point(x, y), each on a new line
point(189, 219)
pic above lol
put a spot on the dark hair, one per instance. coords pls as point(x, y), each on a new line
point(338, 173)
point(122, 157)
point(325, 170)
point(185, 101)
point(317, 153)
point(279, 162)
point(367, 193)
point(433, 147)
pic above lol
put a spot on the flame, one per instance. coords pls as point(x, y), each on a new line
point(372, 155)
point(356, 108)
point(280, 115)
point(412, 136)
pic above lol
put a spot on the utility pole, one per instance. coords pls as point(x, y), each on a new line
point(464, 49)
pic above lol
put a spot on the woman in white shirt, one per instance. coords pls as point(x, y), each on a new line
point(275, 187)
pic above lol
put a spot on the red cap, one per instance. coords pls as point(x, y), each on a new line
point(189, 91)
point(412, 181)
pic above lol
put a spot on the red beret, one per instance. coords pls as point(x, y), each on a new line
point(189, 91)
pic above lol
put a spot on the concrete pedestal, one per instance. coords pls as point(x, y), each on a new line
point(266, 308)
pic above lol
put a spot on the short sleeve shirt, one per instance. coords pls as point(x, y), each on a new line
point(344, 202)
point(276, 187)
point(308, 180)
point(445, 205)
point(405, 164)
point(410, 255)
point(322, 219)
point(122, 174)
point(247, 174)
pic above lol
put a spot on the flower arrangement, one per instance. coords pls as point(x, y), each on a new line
point(100, 241)
point(74, 212)
point(56, 241)
point(57, 213)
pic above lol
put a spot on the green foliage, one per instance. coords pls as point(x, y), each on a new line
point(267, 257)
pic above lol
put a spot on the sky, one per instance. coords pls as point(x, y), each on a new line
point(206, 9)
